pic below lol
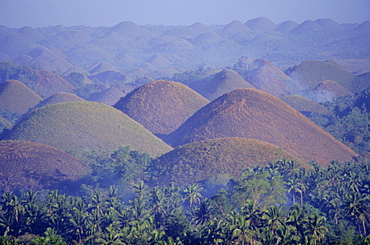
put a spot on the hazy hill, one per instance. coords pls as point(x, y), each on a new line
point(264, 76)
point(76, 126)
point(328, 90)
point(220, 83)
point(29, 165)
point(307, 27)
point(17, 97)
point(261, 24)
point(221, 158)
point(31, 33)
point(286, 26)
point(161, 106)
point(329, 24)
point(310, 73)
point(236, 30)
point(130, 29)
point(49, 83)
point(102, 67)
point(304, 105)
point(109, 96)
point(60, 97)
point(254, 114)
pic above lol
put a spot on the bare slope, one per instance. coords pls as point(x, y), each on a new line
point(254, 114)
point(75, 126)
point(17, 97)
point(161, 106)
point(29, 165)
point(60, 97)
point(199, 161)
point(304, 105)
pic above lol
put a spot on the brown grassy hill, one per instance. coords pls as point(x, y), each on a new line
point(221, 83)
point(49, 83)
point(304, 105)
point(312, 72)
point(222, 157)
point(17, 97)
point(29, 165)
point(159, 61)
point(60, 97)
point(328, 90)
point(261, 24)
point(254, 114)
point(265, 76)
point(108, 97)
point(286, 26)
point(76, 126)
point(161, 106)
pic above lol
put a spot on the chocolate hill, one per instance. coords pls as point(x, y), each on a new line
point(286, 26)
point(265, 76)
point(254, 114)
point(59, 98)
point(312, 72)
point(261, 24)
point(109, 96)
point(49, 83)
point(304, 105)
point(29, 165)
point(328, 90)
point(17, 97)
point(161, 106)
point(77, 126)
point(227, 157)
point(220, 83)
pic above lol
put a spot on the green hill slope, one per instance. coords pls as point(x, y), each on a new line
point(75, 126)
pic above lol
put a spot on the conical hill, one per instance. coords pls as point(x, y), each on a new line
point(16, 97)
point(217, 158)
point(254, 114)
point(221, 83)
point(76, 126)
point(161, 106)
point(60, 97)
point(304, 105)
point(29, 165)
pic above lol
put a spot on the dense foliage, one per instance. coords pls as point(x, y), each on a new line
point(277, 204)
point(349, 121)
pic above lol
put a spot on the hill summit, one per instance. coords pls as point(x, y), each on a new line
point(254, 114)
point(161, 106)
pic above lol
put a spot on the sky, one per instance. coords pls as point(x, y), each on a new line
point(42, 13)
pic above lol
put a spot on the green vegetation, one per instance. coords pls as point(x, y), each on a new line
point(276, 204)
point(349, 121)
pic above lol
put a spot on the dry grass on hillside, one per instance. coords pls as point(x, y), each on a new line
point(202, 160)
point(254, 114)
point(29, 165)
point(161, 106)
point(17, 97)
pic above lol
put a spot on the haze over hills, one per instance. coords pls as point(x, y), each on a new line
point(79, 126)
point(254, 114)
point(161, 106)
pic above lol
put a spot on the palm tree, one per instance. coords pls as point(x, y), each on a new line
point(315, 228)
point(111, 237)
point(358, 208)
point(273, 217)
point(203, 213)
point(193, 194)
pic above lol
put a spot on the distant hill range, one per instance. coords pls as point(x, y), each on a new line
point(253, 114)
